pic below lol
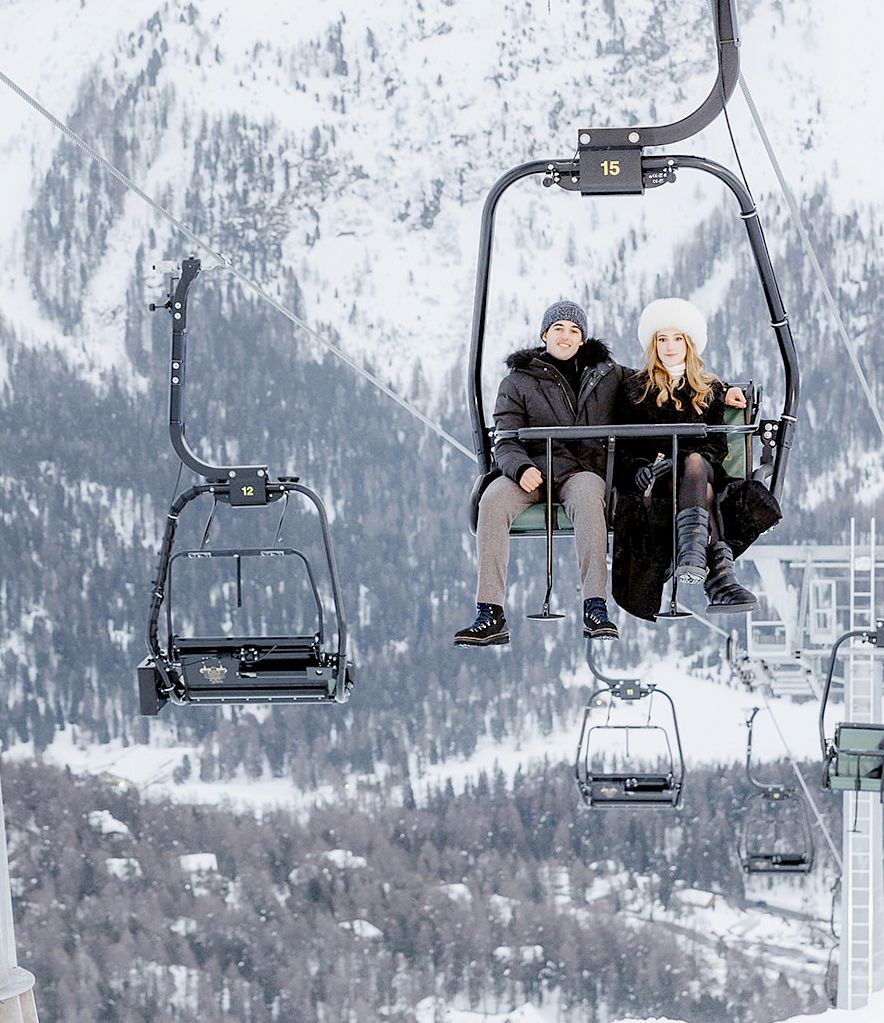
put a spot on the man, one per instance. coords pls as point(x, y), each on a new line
point(569, 381)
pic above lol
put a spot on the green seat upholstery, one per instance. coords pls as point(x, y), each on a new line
point(858, 760)
point(532, 521)
point(739, 446)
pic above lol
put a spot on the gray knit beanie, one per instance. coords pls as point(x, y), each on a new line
point(564, 310)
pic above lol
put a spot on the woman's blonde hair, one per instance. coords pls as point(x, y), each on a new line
point(698, 380)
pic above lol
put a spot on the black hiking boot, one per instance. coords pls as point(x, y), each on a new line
point(596, 624)
point(692, 536)
point(489, 628)
point(726, 595)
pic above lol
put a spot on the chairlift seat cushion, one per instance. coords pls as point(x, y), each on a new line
point(778, 863)
point(630, 789)
point(266, 669)
point(859, 758)
point(532, 521)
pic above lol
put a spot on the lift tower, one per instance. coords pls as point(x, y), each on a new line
point(861, 966)
point(16, 985)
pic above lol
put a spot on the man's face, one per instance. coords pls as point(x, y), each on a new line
point(672, 347)
point(562, 339)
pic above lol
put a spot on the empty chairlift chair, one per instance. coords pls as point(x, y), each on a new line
point(854, 759)
point(645, 769)
point(775, 834)
point(211, 667)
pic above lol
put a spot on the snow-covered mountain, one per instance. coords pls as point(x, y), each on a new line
point(339, 153)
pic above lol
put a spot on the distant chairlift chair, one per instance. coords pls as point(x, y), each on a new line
point(600, 786)
point(775, 833)
point(854, 760)
point(240, 669)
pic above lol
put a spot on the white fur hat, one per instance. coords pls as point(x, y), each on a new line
point(668, 313)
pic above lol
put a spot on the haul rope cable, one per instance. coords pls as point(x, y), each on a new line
point(810, 252)
point(225, 262)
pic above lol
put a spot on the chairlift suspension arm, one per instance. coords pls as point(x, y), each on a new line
point(252, 477)
point(853, 634)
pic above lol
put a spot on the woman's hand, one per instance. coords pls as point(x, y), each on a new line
point(648, 474)
point(735, 397)
point(530, 480)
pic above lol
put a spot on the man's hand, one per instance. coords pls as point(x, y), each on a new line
point(735, 397)
point(530, 480)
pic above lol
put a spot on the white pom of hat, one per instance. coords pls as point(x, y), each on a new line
point(673, 314)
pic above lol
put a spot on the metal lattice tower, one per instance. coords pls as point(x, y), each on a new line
point(861, 969)
point(16, 985)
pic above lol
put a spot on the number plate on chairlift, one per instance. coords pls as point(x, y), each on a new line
point(248, 488)
point(611, 171)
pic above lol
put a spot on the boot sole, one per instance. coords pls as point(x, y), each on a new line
point(607, 634)
point(732, 609)
point(501, 639)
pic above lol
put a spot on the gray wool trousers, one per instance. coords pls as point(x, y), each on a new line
point(583, 496)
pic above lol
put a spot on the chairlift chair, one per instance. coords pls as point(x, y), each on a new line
point(775, 832)
point(853, 761)
point(603, 787)
point(610, 162)
point(236, 669)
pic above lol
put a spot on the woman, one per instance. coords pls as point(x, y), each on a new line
point(674, 387)
point(570, 381)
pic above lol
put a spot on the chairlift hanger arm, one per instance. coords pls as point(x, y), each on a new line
point(728, 58)
point(754, 782)
point(253, 477)
point(875, 636)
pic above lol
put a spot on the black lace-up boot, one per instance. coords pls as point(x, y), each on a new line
point(692, 536)
point(489, 628)
point(726, 595)
point(596, 624)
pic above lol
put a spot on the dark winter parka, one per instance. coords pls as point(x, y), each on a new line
point(642, 559)
point(536, 393)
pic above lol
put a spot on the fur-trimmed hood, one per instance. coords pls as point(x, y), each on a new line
point(590, 353)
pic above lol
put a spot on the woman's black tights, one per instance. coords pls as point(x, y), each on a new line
point(695, 488)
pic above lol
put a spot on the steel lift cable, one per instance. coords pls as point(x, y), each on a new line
point(807, 244)
point(226, 263)
point(810, 251)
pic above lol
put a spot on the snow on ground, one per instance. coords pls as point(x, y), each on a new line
point(150, 769)
point(431, 1010)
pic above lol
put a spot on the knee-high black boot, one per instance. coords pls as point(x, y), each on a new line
point(726, 595)
point(692, 538)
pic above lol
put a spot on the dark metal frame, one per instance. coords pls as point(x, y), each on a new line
point(760, 803)
point(298, 669)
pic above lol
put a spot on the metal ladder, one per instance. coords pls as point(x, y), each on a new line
point(862, 949)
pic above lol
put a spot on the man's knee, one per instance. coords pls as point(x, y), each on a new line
point(585, 492)
point(502, 499)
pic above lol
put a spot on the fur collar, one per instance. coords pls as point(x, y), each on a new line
point(591, 353)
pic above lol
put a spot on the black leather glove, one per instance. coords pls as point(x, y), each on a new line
point(648, 474)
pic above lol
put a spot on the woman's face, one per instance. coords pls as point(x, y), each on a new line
point(563, 338)
point(672, 346)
